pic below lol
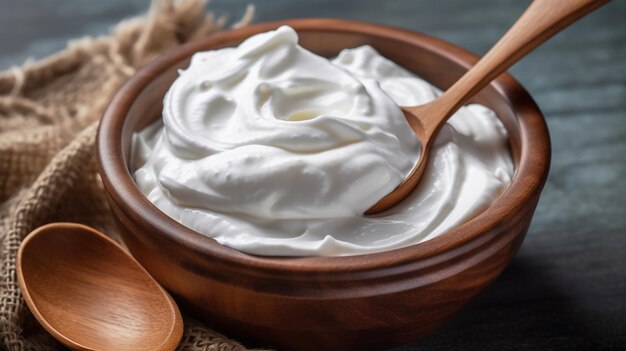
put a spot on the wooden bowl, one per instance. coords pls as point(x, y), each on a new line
point(327, 303)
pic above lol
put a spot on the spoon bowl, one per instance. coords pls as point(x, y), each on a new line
point(90, 294)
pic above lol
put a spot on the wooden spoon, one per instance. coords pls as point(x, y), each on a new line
point(90, 294)
point(542, 20)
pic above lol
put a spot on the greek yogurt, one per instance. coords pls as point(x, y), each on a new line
point(273, 150)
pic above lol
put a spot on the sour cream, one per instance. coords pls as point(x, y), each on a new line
point(273, 150)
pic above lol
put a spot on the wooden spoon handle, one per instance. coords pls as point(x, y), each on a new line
point(542, 20)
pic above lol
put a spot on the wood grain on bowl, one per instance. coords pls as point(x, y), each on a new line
point(336, 303)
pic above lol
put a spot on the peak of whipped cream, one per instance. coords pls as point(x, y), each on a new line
point(274, 150)
point(271, 130)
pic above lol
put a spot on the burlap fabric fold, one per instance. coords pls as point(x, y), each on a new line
point(49, 112)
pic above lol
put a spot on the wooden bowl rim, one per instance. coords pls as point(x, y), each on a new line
point(527, 183)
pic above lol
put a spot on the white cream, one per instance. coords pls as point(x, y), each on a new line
point(273, 150)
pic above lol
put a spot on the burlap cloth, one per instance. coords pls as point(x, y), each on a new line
point(49, 111)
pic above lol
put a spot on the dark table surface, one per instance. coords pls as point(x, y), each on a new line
point(566, 289)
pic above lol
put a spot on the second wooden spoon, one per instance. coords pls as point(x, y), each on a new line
point(90, 294)
point(542, 20)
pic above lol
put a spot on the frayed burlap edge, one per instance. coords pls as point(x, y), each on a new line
point(49, 112)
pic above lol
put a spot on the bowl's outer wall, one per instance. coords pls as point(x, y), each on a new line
point(323, 317)
point(366, 302)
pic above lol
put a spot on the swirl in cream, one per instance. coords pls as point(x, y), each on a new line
point(274, 150)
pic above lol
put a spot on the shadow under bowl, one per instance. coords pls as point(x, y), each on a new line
point(327, 303)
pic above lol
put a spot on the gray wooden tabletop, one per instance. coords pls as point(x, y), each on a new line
point(566, 289)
